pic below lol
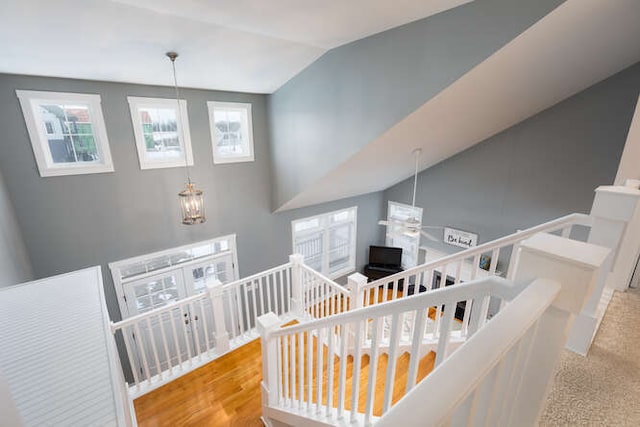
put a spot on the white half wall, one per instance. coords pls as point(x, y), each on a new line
point(15, 266)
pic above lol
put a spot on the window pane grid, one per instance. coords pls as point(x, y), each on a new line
point(329, 246)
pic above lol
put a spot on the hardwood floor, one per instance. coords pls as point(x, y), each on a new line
point(226, 392)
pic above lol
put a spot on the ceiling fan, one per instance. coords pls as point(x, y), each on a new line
point(410, 226)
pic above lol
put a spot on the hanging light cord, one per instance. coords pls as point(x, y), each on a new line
point(172, 56)
point(415, 176)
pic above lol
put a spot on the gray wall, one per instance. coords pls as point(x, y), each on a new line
point(72, 222)
point(15, 266)
point(352, 94)
point(535, 171)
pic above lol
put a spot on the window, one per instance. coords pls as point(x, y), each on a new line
point(67, 132)
point(398, 212)
point(328, 241)
point(231, 132)
point(161, 132)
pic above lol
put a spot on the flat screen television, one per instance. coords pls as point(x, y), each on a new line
point(385, 255)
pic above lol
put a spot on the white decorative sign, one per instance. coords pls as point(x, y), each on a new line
point(460, 238)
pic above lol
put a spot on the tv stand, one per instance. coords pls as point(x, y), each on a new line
point(375, 272)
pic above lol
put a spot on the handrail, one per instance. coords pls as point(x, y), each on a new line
point(156, 311)
point(550, 226)
point(456, 379)
point(174, 339)
point(256, 275)
point(328, 341)
point(498, 286)
point(325, 279)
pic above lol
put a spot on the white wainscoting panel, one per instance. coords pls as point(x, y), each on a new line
point(57, 354)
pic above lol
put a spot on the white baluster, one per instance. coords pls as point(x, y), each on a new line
point(296, 284)
point(373, 368)
point(420, 322)
point(154, 348)
point(445, 332)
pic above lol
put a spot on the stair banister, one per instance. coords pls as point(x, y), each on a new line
point(467, 368)
point(562, 223)
point(297, 302)
point(215, 291)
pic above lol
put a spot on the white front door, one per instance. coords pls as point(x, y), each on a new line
point(153, 292)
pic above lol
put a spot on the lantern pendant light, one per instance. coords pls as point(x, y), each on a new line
point(191, 198)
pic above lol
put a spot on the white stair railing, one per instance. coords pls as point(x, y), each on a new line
point(465, 265)
point(479, 383)
point(322, 297)
point(498, 376)
point(165, 343)
point(305, 370)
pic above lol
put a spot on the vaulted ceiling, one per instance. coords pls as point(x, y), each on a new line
point(239, 45)
point(575, 46)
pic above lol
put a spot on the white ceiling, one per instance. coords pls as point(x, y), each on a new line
point(572, 48)
point(236, 45)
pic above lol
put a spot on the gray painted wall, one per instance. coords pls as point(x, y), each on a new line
point(535, 171)
point(352, 94)
point(15, 266)
point(72, 222)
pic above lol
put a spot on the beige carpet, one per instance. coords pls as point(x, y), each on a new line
point(602, 389)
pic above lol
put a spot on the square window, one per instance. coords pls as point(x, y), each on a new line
point(67, 132)
point(161, 131)
point(231, 132)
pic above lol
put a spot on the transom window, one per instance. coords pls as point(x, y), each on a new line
point(328, 241)
point(67, 132)
point(231, 132)
point(161, 131)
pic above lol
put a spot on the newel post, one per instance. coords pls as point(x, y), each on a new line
point(214, 289)
point(613, 209)
point(355, 284)
point(297, 301)
point(576, 266)
point(267, 324)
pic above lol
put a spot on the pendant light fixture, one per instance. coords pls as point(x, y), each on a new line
point(191, 198)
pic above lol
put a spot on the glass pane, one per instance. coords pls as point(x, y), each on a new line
point(306, 225)
point(143, 304)
point(340, 247)
point(229, 125)
point(85, 147)
point(160, 130)
point(69, 133)
point(312, 249)
point(133, 269)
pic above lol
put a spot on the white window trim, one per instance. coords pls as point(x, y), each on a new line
point(29, 100)
point(182, 120)
point(211, 106)
point(325, 226)
point(120, 282)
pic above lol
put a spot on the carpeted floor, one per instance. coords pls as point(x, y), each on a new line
point(602, 389)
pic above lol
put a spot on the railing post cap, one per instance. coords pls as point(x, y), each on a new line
point(296, 258)
point(357, 277)
point(267, 322)
point(214, 286)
